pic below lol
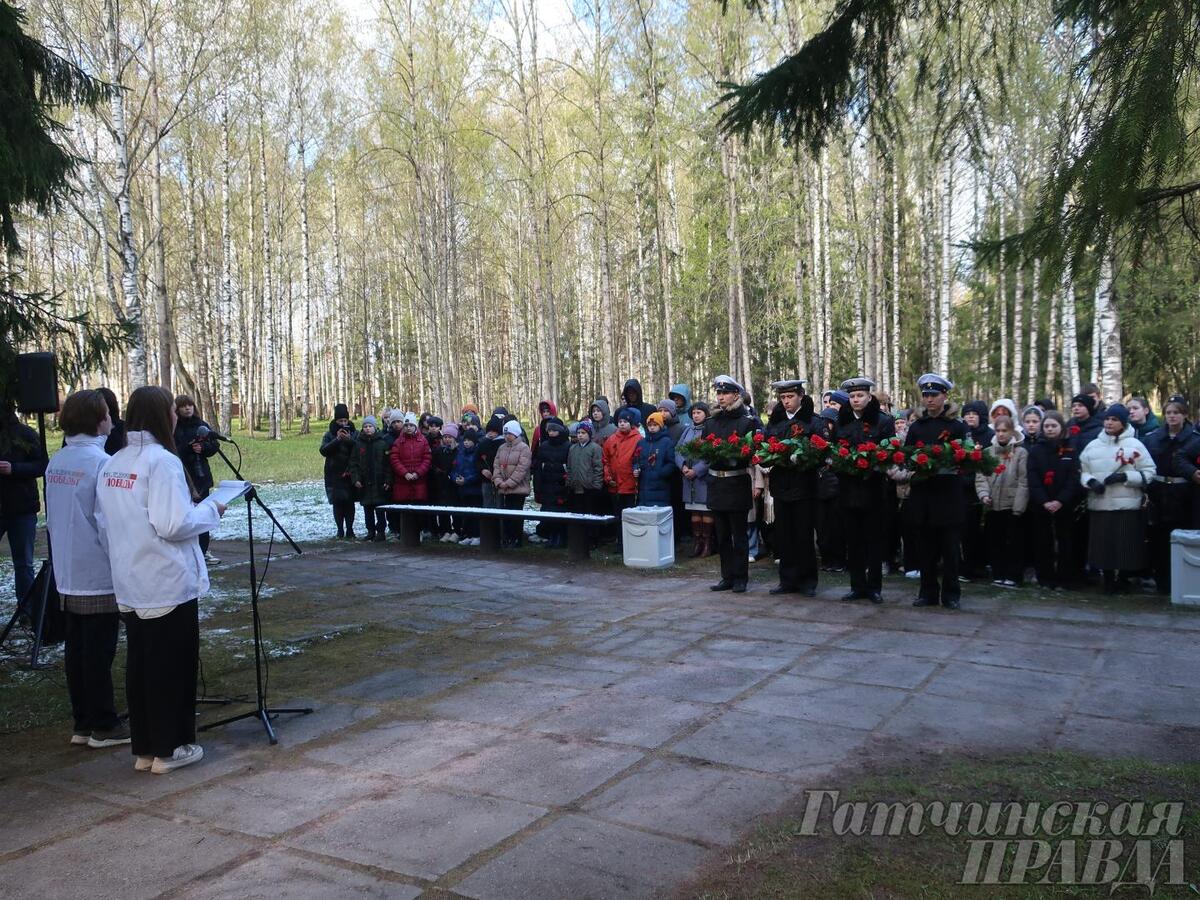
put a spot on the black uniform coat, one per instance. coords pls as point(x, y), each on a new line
point(936, 501)
point(196, 464)
point(1057, 457)
point(789, 484)
point(868, 492)
point(733, 494)
point(21, 446)
point(1170, 503)
point(338, 486)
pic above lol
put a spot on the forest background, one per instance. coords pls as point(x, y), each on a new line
point(428, 202)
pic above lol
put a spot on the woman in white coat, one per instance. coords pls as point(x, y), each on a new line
point(1116, 469)
point(159, 575)
point(81, 570)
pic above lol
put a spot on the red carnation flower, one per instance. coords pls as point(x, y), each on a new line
point(1048, 479)
point(960, 455)
point(733, 439)
point(920, 444)
point(756, 460)
point(936, 449)
point(999, 468)
point(881, 455)
point(922, 459)
point(758, 435)
point(976, 455)
point(819, 442)
point(746, 451)
point(862, 462)
point(1074, 430)
point(843, 451)
point(898, 457)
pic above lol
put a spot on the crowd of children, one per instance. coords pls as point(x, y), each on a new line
point(1092, 492)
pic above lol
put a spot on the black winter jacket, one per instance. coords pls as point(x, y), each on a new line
point(195, 464)
point(733, 493)
point(338, 486)
point(867, 492)
point(1054, 475)
point(937, 501)
point(788, 484)
point(550, 471)
point(21, 446)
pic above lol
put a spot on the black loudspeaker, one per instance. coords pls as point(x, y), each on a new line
point(37, 383)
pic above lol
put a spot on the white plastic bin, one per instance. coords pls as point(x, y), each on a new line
point(1185, 568)
point(648, 535)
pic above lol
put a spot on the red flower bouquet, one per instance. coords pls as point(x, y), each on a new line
point(712, 449)
point(799, 451)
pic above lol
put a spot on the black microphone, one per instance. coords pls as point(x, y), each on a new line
point(205, 432)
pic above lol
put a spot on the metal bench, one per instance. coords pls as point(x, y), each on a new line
point(578, 543)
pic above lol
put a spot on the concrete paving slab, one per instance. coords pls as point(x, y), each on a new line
point(1001, 685)
point(133, 857)
point(902, 643)
point(565, 676)
point(766, 743)
point(743, 653)
point(862, 667)
point(1067, 660)
point(292, 730)
point(419, 831)
point(702, 802)
point(1127, 701)
point(1106, 738)
point(546, 770)
point(399, 684)
point(848, 705)
point(406, 748)
point(268, 803)
point(36, 812)
point(681, 681)
point(622, 718)
point(930, 721)
point(580, 857)
point(284, 873)
point(506, 703)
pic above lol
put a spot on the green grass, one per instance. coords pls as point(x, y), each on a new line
point(296, 458)
point(777, 860)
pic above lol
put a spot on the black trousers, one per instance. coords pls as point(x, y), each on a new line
point(940, 544)
point(513, 529)
point(160, 679)
point(469, 527)
point(1159, 538)
point(974, 542)
point(793, 539)
point(1056, 558)
point(343, 515)
point(91, 645)
point(733, 544)
point(910, 538)
point(865, 552)
point(1005, 535)
point(831, 537)
point(590, 502)
point(376, 518)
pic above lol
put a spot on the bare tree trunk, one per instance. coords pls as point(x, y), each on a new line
point(162, 307)
point(1108, 325)
point(338, 311)
point(1035, 316)
point(947, 309)
point(271, 338)
point(1070, 339)
point(225, 312)
point(895, 341)
point(826, 270)
point(1002, 311)
point(130, 284)
point(802, 319)
point(306, 280)
point(1018, 393)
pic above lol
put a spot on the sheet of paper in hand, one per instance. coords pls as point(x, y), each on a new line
point(228, 491)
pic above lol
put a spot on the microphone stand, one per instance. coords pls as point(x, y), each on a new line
point(262, 712)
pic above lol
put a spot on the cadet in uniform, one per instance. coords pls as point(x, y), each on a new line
point(936, 502)
point(795, 491)
point(863, 499)
point(729, 486)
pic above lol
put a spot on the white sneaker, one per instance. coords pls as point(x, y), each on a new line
point(184, 755)
point(143, 763)
point(913, 574)
point(80, 738)
point(452, 538)
point(445, 537)
point(210, 559)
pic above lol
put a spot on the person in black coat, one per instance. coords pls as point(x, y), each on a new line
point(1187, 463)
point(730, 491)
point(631, 395)
point(1055, 497)
point(936, 503)
point(1086, 423)
point(337, 446)
point(863, 499)
point(794, 491)
point(549, 473)
point(974, 544)
point(23, 460)
point(1170, 492)
point(116, 438)
point(194, 452)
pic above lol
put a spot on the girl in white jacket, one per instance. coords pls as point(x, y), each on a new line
point(1116, 468)
point(158, 576)
point(81, 570)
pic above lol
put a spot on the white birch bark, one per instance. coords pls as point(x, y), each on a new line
point(1018, 371)
point(225, 311)
point(946, 307)
point(1070, 337)
point(895, 341)
point(1108, 325)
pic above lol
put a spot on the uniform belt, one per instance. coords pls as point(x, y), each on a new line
point(730, 473)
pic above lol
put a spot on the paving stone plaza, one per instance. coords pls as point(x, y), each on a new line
point(606, 735)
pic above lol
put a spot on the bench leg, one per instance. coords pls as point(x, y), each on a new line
point(489, 534)
point(410, 529)
point(579, 543)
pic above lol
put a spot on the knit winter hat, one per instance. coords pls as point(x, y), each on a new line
point(434, 422)
point(554, 424)
point(370, 420)
point(628, 412)
point(1117, 411)
point(470, 408)
point(495, 425)
point(450, 430)
point(1087, 401)
point(1036, 410)
point(583, 426)
point(341, 411)
point(667, 406)
point(513, 427)
point(657, 418)
point(410, 418)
